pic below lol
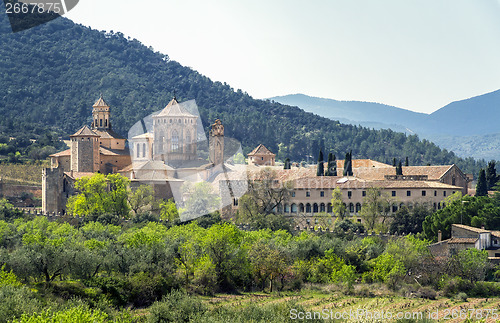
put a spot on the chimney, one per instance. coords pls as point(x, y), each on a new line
point(440, 236)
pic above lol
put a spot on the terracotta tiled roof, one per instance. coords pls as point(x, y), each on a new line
point(66, 152)
point(77, 175)
point(174, 109)
point(378, 173)
point(261, 150)
point(100, 102)
point(469, 228)
point(84, 132)
point(462, 240)
point(356, 163)
point(106, 134)
point(324, 182)
point(113, 152)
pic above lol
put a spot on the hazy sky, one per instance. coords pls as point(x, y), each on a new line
point(419, 55)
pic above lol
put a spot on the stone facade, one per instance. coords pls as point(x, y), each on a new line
point(217, 143)
point(95, 149)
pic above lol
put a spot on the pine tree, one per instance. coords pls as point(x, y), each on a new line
point(482, 186)
point(406, 162)
point(491, 175)
point(320, 171)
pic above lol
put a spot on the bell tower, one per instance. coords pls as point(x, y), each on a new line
point(101, 115)
point(217, 143)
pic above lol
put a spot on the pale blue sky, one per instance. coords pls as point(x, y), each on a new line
point(418, 55)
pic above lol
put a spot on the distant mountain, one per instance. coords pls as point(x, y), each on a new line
point(51, 75)
point(356, 112)
point(468, 127)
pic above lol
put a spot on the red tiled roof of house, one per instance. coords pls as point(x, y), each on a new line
point(261, 150)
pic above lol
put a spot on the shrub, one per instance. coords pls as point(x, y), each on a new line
point(177, 307)
point(462, 297)
point(15, 301)
point(426, 292)
point(80, 314)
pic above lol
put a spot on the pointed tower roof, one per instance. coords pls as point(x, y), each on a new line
point(100, 102)
point(174, 109)
point(84, 132)
point(261, 150)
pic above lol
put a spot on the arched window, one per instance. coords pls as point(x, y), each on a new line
point(105, 122)
point(175, 141)
point(301, 207)
point(453, 180)
point(143, 150)
point(100, 122)
point(435, 206)
point(329, 208)
point(294, 208)
point(351, 207)
point(322, 207)
point(358, 207)
point(138, 150)
point(308, 208)
point(410, 206)
point(315, 208)
point(287, 208)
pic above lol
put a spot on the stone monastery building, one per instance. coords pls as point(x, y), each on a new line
point(167, 155)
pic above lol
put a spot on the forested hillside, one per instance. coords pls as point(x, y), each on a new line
point(52, 74)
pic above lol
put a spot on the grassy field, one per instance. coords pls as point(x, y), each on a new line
point(28, 173)
point(448, 310)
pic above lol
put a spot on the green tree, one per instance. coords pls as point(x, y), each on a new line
point(320, 170)
point(168, 211)
point(375, 204)
point(407, 163)
point(287, 164)
point(338, 206)
point(491, 175)
point(399, 169)
point(201, 200)
point(332, 165)
point(482, 185)
point(470, 264)
point(100, 194)
point(140, 198)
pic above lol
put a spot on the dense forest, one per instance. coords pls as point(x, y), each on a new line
point(51, 75)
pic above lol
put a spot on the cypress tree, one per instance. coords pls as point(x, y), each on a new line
point(394, 162)
point(491, 175)
point(328, 171)
point(481, 186)
point(349, 168)
point(346, 161)
point(406, 162)
point(399, 169)
point(321, 168)
point(287, 164)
